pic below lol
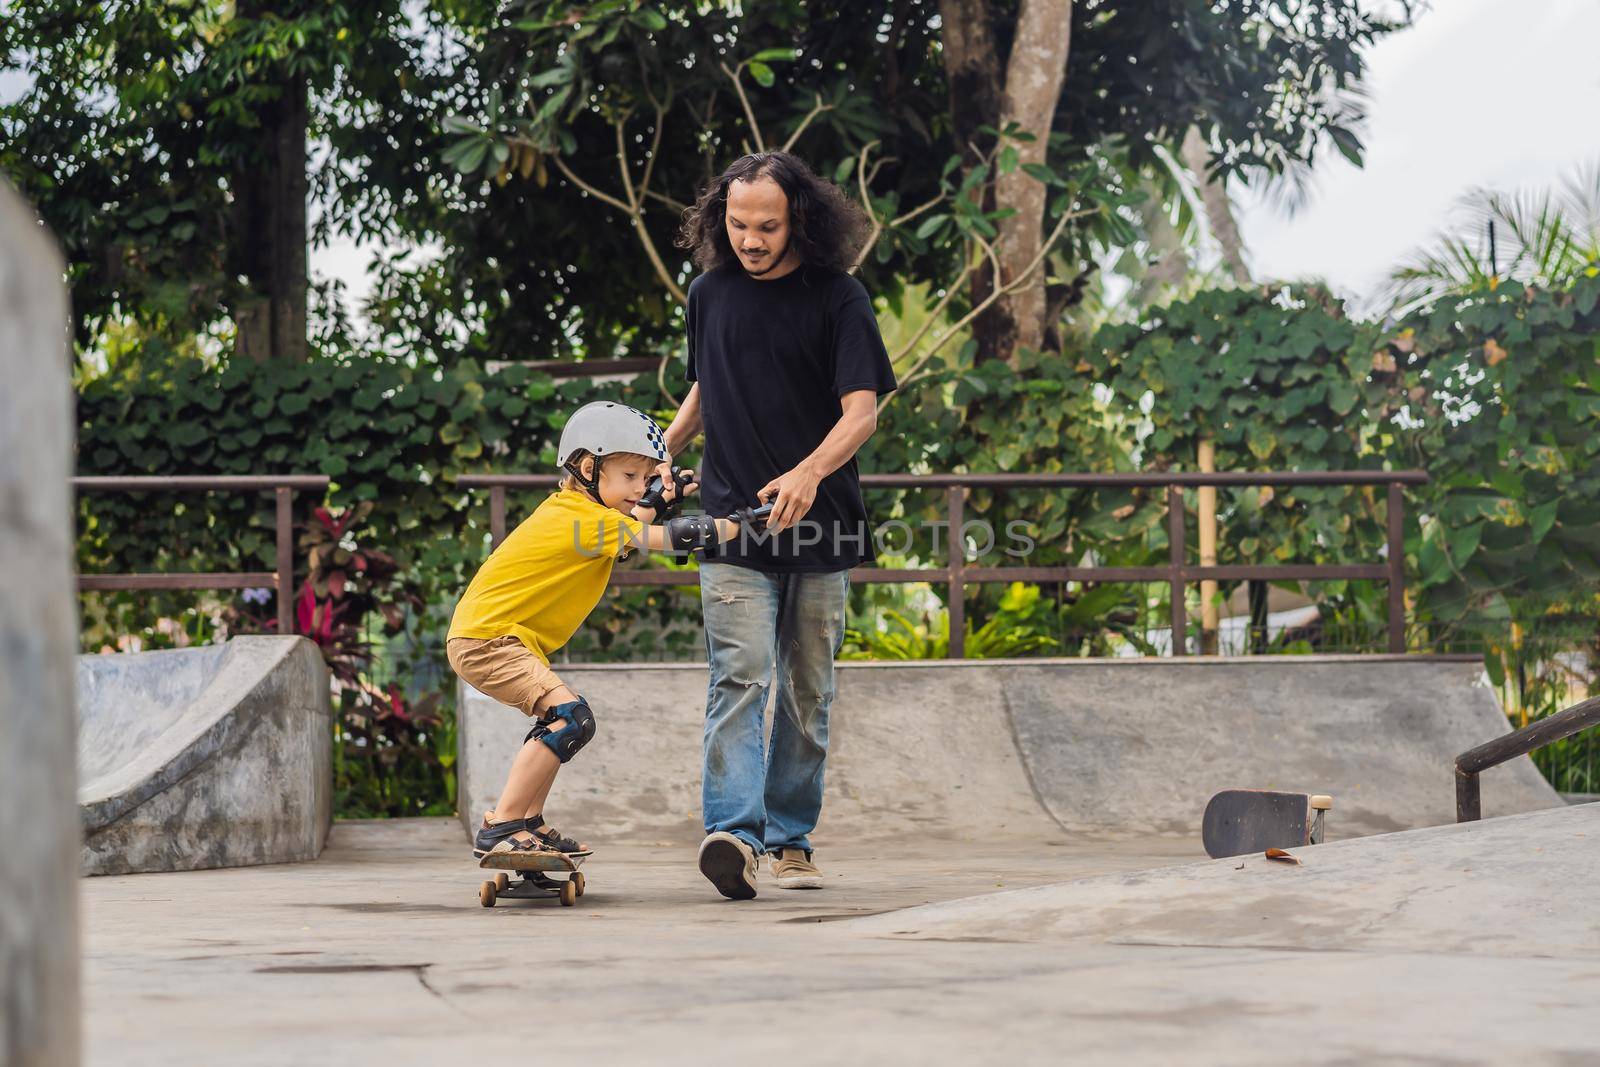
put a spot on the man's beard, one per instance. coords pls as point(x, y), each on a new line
point(776, 259)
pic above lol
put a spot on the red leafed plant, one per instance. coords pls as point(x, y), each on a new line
point(385, 740)
point(344, 584)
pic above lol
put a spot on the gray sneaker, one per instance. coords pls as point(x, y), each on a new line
point(729, 864)
point(793, 869)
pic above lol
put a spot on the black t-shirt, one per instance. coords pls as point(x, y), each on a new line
point(772, 359)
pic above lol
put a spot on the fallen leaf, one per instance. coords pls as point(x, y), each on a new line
point(1282, 857)
point(1493, 353)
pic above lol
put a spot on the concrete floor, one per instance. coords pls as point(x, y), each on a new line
point(380, 953)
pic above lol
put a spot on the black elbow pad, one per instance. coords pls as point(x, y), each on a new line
point(690, 533)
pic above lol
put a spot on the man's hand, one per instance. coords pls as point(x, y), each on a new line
point(791, 496)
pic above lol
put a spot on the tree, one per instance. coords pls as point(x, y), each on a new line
point(1021, 96)
point(616, 111)
point(1261, 82)
point(166, 144)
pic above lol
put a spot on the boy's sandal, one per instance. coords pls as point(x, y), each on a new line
point(501, 834)
point(553, 840)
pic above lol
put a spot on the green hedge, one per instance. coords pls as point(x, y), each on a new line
point(390, 436)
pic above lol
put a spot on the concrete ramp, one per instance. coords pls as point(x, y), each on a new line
point(219, 756)
point(1142, 745)
point(1514, 886)
point(1040, 749)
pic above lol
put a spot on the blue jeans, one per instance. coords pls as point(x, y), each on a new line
point(762, 626)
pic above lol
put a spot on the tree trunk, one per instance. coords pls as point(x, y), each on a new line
point(270, 234)
point(1169, 255)
point(1196, 155)
point(972, 69)
point(1034, 73)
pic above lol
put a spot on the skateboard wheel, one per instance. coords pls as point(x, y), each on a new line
point(486, 894)
point(1321, 802)
point(578, 880)
point(502, 881)
point(569, 894)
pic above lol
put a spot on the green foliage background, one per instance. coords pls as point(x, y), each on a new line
point(1496, 395)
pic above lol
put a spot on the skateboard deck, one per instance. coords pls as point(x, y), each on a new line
point(534, 883)
point(1241, 821)
point(530, 861)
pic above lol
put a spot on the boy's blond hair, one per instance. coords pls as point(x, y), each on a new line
point(577, 458)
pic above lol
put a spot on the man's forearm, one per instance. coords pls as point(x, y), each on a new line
point(686, 424)
point(855, 426)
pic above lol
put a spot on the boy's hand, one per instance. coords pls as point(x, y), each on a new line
point(685, 484)
point(663, 495)
point(670, 475)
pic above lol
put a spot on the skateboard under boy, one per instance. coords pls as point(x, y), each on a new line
point(1241, 821)
point(533, 884)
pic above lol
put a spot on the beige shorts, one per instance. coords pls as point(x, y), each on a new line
point(504, 669)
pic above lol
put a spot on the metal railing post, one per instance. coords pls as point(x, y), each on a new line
point(955, 497)
point(1536, 735)
point(1180, 621)
point(285, 571)
point(1468, 806)
point(1397, 569)
point(497, 515)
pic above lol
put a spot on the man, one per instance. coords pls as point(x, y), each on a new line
point(787, 364)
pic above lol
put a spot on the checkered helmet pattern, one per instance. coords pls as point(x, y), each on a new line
point(604, 429)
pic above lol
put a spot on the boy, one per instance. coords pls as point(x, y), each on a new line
point(529, 597)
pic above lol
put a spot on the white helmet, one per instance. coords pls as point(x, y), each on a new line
point(605, 429)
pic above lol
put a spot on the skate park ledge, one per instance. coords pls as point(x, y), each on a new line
point(214, 756)
point(1043, 748)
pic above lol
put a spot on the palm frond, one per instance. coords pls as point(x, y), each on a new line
point(1580, 201)
point(1292, 187)
point(1541, 237)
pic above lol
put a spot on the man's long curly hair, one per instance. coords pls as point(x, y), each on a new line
point(826, 227)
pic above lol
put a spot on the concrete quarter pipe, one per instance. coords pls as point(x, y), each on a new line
point(1041, 749)
point(204, 757)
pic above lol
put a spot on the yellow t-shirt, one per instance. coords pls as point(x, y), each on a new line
point(544, 579)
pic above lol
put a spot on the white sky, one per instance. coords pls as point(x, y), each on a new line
point(1500, 93)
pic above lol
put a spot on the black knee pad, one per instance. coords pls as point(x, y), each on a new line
point(566, 742)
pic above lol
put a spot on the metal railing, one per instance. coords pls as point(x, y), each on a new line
point(280, 580)
point(1177, 572)
point(1536, 735)
point(592, 368)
